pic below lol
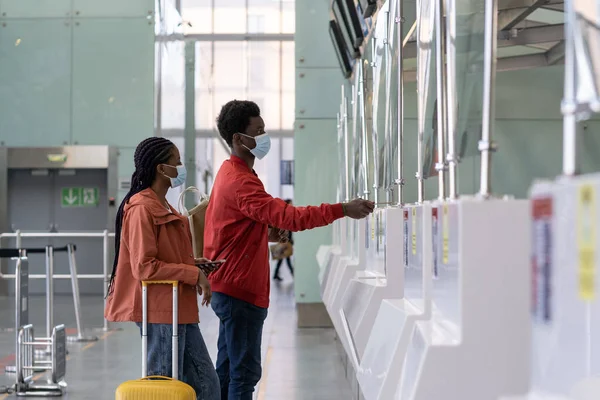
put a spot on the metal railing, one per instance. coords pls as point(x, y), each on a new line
point(105, 236)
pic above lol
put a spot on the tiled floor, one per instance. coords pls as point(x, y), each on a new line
point(297, 363)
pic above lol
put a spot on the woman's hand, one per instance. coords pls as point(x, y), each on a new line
point(203, 287)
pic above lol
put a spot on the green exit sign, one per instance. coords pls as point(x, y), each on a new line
point(79, 197)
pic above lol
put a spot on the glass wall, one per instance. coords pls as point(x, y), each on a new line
point(244, 49)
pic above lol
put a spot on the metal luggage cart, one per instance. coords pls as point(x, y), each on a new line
point(26, 365)
point(26, 343)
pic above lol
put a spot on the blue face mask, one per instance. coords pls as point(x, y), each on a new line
point(263, 145)
point(180, 178)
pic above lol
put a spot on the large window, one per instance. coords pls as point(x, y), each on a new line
point(244, 49)
point(239, 16)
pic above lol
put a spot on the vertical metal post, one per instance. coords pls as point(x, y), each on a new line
point(354, 103)
point(486, 145)
point(400, 44)
point(340, 194)
point(158, 110)
point(76, 298)
point(388, 151)
point(190, 117)
point(144, 329)
point(451, 109)
point(18, 239)
point(569, 103)
point(18, 313)
point(374, 130)
point(421, 95)
point(346, 144)
point(49, 291)
point(365, 147)
point(175, 337)
point(105, 257)
point(440, 166)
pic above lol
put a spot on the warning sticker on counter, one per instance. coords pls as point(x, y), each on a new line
point(445, 234)
point(541, 258)
point(373, 226)
point(414, 230)
point(586, 240)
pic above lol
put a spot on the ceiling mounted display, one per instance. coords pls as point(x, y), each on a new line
point(343, 54)
point(369, 7)
point(341, 18)
point(352, 21)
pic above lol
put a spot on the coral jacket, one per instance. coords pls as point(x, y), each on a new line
point(236, 229)
point(156, 244)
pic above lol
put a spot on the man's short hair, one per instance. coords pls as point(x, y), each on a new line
point(235, 118)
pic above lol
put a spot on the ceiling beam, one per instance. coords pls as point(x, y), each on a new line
point(511, 4)
point(533, 35)
point(516, 63)
point(509, 19)
point(524, 37)
point(556, 54)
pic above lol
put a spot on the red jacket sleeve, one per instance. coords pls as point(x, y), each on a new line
point(255, 203)
point(141, 242)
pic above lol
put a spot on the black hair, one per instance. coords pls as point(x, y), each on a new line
point(235, 118)
point(148, 155)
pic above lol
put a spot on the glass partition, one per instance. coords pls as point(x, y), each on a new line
point(426, 87)
point(586, 37)
point(380, 94)
point(469, 49)
point(366, 110)
point(391, 120)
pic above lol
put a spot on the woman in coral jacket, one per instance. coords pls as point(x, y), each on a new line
point(153, 242)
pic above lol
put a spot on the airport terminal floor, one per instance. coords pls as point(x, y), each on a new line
point(297, 363)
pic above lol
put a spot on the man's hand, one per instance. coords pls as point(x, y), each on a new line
point(277, 235)
point(203, 287)
point(359, 208)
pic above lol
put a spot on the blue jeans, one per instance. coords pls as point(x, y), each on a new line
point(240, 335)
point(195, 366)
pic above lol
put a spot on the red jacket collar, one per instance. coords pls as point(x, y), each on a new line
point(237, 160)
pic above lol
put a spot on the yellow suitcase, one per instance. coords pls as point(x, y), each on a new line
point(157, 387)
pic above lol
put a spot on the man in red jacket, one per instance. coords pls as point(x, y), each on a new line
point(240, 221)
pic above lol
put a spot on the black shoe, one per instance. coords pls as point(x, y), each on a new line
point(277, 278)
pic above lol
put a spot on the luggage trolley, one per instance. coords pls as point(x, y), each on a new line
point(27, 365)
point(26, 343)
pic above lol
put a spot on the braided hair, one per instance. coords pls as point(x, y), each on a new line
point(148, 155)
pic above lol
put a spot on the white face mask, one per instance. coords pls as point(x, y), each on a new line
point(263, 145)
point(180, 178)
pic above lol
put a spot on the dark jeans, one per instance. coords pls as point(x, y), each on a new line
point(240, 334)
point(289, 264)
point(195, 366)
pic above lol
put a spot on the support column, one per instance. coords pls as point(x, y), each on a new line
point(189, 132)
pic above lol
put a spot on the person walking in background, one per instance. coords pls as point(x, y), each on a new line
point(240, 221)
point(288, 260)
point(153, 242)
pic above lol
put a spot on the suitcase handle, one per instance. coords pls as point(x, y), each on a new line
point(174, 336)
point(164, 378)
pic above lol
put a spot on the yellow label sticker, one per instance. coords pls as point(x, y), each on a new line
point(414, 230)
point(445, 234)
point(373, 226)
point(586, 241)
